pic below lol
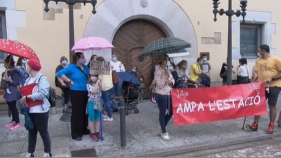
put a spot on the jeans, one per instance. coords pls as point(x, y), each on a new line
point(164, 102)
point(106, 97)
point(114, 106)
point(206, 81)
point(40, 121)
point(118, 89)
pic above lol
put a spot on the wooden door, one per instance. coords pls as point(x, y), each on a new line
point(129, 41)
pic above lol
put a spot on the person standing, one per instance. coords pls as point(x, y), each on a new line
point(195, 70)
point(164, 82)
point(223, 73)
point(62, 84)
point(243, 72)
point(11, 79)
point(78, 74)
point(267, 69)
point(39, 114)
point(118, 67)
point(206, 70)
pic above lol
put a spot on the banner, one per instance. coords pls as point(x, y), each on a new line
point(192, 106)
point(100, 68)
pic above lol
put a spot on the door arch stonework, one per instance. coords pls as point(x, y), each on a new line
point(129, 41)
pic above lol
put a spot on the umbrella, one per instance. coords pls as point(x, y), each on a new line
point(164, 46)
point(18, 49)
point(92, 43)
point(125, 76)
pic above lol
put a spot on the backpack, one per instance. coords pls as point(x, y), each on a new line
point(52, 95)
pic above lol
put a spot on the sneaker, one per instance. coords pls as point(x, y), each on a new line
point(165, 136)
point(94, 137)
point(253, 127)
point(29, 155)
point(15, 127)
point(12, 124)
point(108, 119)
point(104, 116)
point(270, 129)
point(47, 155)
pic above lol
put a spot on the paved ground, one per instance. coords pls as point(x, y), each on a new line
point(142, 139)
point(263, 148)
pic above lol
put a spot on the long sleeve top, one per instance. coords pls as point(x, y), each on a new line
point(13, 93)
point(161, 81)
point(79, 78)
point(117, 66)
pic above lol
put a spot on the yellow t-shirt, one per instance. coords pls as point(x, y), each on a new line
point(267, 68)
point(194, 67)
point(107, 83)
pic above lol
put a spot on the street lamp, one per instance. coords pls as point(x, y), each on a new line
point(230, 13)
point(71, 3)
point(67, 114)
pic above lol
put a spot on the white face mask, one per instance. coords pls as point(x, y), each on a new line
point(94, 79)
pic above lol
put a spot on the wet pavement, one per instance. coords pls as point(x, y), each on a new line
point(142, 138)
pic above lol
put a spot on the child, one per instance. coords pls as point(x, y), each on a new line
point(141, 89)
point(94, 106)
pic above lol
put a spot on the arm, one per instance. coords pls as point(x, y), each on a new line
point(15, 79)
point(43, 87)
point(122, 68)
point(278, 65)
point(62, 74)
point(255, 75)
point(160, 83)
point(196, 69)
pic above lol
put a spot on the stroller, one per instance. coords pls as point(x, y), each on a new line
point(130, 95)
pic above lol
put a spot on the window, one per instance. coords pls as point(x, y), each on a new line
point(3, 33)
point(250, 40)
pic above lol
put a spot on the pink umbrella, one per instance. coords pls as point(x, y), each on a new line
point(92, 43)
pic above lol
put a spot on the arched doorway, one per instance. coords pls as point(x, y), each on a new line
point(129, 40)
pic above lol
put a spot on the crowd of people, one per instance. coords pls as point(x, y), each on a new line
point(96, 91)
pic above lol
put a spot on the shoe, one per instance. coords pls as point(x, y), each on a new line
point(270, 129)
point(47, 155)
point(87, 132)
point(253, 127)
point(12, 124)
point(108, 119)
point(15, 127)
point(29, 155)
point(279, 125)
point(94, 137)
point(104, 116)
point(78, 139)
point(165, 136)
point(98, 135)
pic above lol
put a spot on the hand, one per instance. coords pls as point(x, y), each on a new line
point(6, 77)
point(268, 80)
point(71, 83)
point(23, 101)
point(120, 65)
point(98, 82)
point(63, 84)
point(151, 86)
point(170, 82)
point(233, 71)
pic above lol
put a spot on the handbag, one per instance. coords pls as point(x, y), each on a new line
point(115, 78)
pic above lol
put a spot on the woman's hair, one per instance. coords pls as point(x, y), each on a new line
point(243, 61)
point(63, 58)
point(75, 57)
point(10, 60)
point(159, 58)
point(93, 56)
point(173, 64)
point(181, 63)
point(99, 58)
point(19, 62)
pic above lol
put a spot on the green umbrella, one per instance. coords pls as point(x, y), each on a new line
point(164, 46)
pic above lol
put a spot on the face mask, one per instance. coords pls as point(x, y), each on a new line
point(24, 62)
point(171, 68)
point(204, 59)
point(82, 61)
point(95, 59)
point(133, 70)
point(183, 67)
point(114, 59)
point(94, 79)
point(64, 62)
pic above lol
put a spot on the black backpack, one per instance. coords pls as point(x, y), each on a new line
point(52, 95)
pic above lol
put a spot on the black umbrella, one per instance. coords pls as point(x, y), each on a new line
point(164, 46)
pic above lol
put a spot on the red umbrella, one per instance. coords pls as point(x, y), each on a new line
point(18, 49)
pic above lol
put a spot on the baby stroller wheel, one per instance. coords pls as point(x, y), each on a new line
point(136, 111)
point(126, 112)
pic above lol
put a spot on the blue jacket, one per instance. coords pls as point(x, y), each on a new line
point(79, 78)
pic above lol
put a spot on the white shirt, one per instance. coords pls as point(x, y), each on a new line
point(90, 88)
point(37, 108)
point(117, 66)
point(243, 71)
